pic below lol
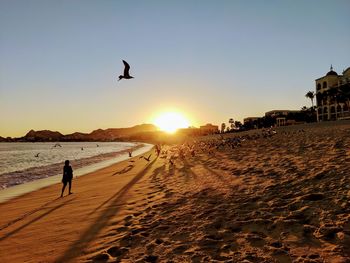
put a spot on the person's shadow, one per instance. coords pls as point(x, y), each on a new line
point(33, 220)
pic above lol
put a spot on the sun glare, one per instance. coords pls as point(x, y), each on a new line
point(171, 121)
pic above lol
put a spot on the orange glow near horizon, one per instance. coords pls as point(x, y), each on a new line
point(171, 121)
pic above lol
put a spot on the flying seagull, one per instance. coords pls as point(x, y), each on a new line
point(126, 72)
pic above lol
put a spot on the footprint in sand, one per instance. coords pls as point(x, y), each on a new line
point(121, 229)
point(255, 240)
point(150, 196)
point(179, 250)
point(142, 205)
point(103, 257)
point(128, 221)
point(117, 251)
point(136, 214)
point(168, 193)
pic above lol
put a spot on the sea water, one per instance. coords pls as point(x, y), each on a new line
point(22, 162)
point(25, 167)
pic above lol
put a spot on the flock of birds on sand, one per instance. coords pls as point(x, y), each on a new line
point(188, 150)
point(191, 149)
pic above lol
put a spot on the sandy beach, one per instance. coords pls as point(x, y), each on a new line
point(277, 196)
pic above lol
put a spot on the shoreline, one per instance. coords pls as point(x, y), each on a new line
point(27, 187)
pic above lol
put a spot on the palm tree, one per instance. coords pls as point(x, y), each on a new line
point(311, 95)
point(223, 126)
point(238, 124)
point(232, 122)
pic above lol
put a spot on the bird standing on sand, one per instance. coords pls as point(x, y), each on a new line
point(126, 72)
point(148, 158)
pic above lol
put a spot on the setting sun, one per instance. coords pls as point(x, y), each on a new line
point(171, 121)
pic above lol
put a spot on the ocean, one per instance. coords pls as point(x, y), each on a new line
point(26, 167)
point(24, 162)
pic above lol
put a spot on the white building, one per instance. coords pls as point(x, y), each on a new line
point(333, 96)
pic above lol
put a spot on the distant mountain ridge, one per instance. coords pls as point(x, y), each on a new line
point(43, 135)
point(111, 134)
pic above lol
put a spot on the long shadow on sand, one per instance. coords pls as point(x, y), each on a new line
point(110, 211)
point(219, 176)
point(124, 170)
point(34, 220)
point(26, 214)
point(189, 174)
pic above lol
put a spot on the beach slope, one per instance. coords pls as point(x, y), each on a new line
point(253, 197)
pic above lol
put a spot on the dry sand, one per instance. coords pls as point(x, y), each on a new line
point(280, 198)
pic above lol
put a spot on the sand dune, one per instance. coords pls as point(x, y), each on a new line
point(262, 197)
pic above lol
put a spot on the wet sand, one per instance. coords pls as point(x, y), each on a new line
point(281, 197)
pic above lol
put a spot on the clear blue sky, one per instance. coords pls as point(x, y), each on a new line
point(212, 60)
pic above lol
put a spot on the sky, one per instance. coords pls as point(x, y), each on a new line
point(209, 60)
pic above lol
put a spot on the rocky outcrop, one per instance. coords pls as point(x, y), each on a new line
point(44, 135)
point(111, 134)
point(120, 133)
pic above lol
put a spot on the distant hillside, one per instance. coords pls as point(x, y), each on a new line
point(7, 139)
point(77, 136)
point(119, 133)
point(111, 134)
point(44, 135)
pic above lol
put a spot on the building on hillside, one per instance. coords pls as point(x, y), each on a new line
point(280, 121)
point(285, 117)
point(332, 96)
point(190, 131)
point(251, 122)
point(280, 113)
point(209, 129)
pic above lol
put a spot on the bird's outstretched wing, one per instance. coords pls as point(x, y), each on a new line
point(126, 69)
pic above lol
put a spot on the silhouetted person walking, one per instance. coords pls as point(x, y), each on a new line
point(67, 177)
